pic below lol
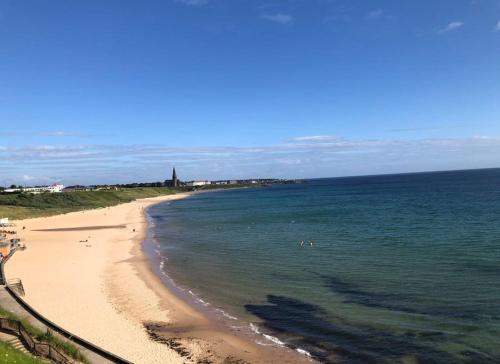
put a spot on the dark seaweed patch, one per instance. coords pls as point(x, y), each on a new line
point(305, 325)
point(394, 302)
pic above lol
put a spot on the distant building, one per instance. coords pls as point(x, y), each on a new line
point(197, 183)
point(54, 188)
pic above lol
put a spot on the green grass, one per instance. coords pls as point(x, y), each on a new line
point(13, 356)
point(47, 336)
point(25, 205)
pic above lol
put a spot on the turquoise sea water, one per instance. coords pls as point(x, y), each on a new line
point(403, 268)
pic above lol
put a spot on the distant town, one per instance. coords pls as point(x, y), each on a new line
point(173, 182)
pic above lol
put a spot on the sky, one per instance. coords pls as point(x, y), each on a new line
point(120, 91)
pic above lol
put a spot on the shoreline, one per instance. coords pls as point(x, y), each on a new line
point(120, 290)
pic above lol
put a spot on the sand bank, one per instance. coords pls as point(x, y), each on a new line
point(86, 272)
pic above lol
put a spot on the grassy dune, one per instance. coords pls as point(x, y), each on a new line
point(25, 205)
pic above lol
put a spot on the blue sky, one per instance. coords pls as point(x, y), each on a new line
point(119, 91)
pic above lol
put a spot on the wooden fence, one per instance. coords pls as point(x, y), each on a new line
point(37, 348)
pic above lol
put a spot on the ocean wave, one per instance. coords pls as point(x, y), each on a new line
point(198, 299)
point(254, 328)
point(303, 352)
point(274, 339)
point(204, 303)
point(258, 342)
point(225, 314)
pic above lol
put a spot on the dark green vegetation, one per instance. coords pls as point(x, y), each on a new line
point(45, 336)
point(10, 355)
point(19, 206)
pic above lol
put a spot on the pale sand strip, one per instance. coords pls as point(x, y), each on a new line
point(103, 290)
point(66, 280)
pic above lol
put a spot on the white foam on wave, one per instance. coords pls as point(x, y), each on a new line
point(303, 352)
point(225, 314)
point(198, 299)
point(254, 328)
point(258, 342)
point(202, 302)
point(274, 339)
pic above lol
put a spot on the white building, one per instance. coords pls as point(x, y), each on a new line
point(40, 189)
point(197, 183)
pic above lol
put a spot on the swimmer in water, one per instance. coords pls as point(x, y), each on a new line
point(302, 243)
point(310, 243)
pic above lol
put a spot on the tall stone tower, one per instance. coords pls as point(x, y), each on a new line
point(175, 182)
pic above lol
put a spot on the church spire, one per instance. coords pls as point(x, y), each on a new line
point(175, 182)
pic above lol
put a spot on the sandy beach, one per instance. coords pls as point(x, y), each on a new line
point(86, 272)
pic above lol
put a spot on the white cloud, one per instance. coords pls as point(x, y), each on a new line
point(315, 138)
point(375, 14)
point(61, 134)
point(278, 18)
point(454, 25)
point(497, 26)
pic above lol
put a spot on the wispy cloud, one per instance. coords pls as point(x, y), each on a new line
point(62, 134)
point(375, 14)
point(299, 157)
point(50, 134)
point(279, 18)
point(192, 2)
point(454, 25)
point(28, 178)
point(497, 26)
point(314, 138)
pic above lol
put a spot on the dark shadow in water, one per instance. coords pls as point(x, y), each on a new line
point(395, 302)
point(332, 339)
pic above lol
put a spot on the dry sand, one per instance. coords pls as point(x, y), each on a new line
point(86, 272)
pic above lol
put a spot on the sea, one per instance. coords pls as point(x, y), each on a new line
point(377, 269)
